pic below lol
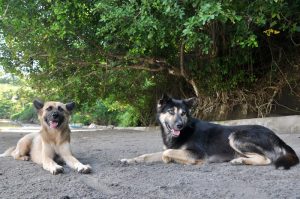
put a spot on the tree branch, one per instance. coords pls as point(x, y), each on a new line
point(182, 59)
point(4, 12)
point(183, 73)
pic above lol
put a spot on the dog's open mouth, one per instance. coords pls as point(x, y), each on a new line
point(53, 124)
point(175, 133)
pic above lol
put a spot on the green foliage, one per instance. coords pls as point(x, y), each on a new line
point(7, 93)
point(15, 102)
point(27, 114)
point(8, 79)
point(128, 117)
point(106, 113)
point(94, 113)
point(79, 118)
point(5, 108)
point(127, 50)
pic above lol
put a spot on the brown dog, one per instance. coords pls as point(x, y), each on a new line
point(52, 140)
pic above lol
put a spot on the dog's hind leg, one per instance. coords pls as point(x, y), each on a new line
point(146, 158)
point(249, 153)
point(181, 156)
point(23, 147)
point(8, 152)
point(252, 159)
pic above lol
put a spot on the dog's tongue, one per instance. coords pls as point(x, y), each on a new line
point(53, 124)
point(175, 132)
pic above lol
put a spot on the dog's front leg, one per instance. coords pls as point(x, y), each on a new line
point(146, 158)
point(181, 156)
point(71, 161)
point(47, 159)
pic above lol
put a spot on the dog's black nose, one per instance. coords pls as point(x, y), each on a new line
point(179, 126)
point(55, 114)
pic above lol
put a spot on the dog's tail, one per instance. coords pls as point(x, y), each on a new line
point(287, 157)
point(8, 152)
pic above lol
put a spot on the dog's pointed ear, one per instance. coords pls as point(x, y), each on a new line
point(163, 100)
point(190, 102)
point(70, 106)
point(38, 104)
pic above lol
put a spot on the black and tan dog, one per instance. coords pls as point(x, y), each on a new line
point(191, 141)
point(53, 139)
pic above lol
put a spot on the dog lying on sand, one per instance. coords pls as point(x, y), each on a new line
point(53, 140)
point(192, 141)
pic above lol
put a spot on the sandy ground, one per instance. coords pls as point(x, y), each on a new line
point(112, 179)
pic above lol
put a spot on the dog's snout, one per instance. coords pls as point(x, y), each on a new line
point(179, 125)
point(55, 114)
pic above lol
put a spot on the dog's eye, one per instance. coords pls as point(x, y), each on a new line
point(49, 108)
point(171, 111)
point(60, 109)
point(183, 113)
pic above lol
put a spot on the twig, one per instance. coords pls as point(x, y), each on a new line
point(4, 12)
point(295, 44)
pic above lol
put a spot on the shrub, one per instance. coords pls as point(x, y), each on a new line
point(80, 118)
point(128, 117)
point(27, 114)
point(106, 112)
point(6, 104)
point(5, 108)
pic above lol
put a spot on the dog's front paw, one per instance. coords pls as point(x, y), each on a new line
point(85, 169)
point(25, 158)
point(56, 170)
point(128, 161)
point(166, 159)
point(53, 168)
point(165, 156)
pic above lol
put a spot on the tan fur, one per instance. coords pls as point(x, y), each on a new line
point(252, 159)
point(180, 156)
point(41, 147)
point(170, 155)
point(146, 158)
point(248, 158)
